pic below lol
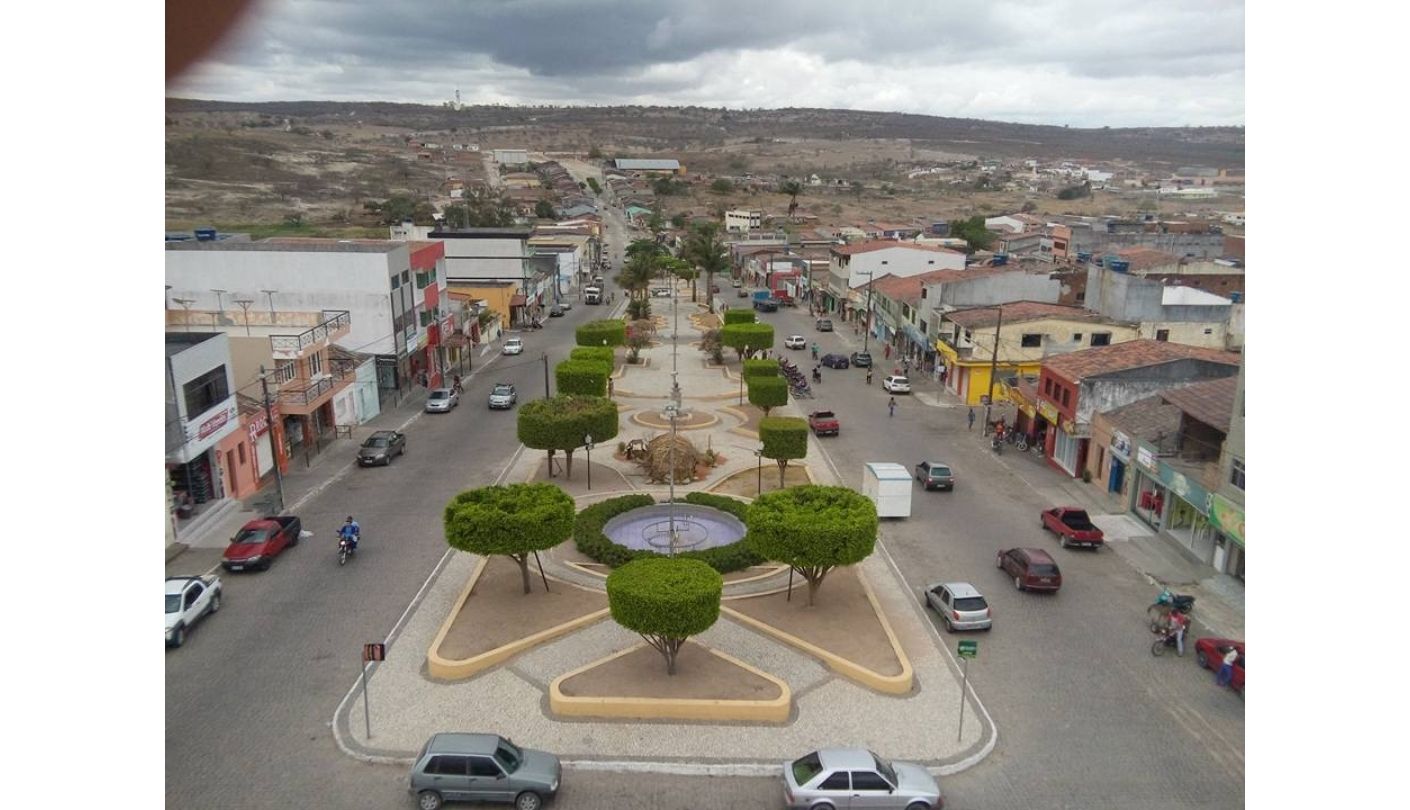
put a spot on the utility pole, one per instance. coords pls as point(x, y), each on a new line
point(993, 367)
point(273, 449)
point(546, 392)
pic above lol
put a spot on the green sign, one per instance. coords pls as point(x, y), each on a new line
point(969, 649)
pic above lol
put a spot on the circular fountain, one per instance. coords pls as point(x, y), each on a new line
point(667, 528)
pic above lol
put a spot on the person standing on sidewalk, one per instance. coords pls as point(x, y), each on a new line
point(1226, 670)
point(891, 406)
point(971, 419)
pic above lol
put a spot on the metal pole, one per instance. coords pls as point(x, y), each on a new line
point(964, 684)
point(993, 367)
point(546, 392)
point(759, 456)
point(245, 305)
point(366, 710)
point(789, 597)
point(273, 447)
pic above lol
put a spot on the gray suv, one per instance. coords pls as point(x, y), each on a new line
point(482, 768)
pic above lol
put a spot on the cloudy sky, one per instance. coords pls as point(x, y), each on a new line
point(1076, 62)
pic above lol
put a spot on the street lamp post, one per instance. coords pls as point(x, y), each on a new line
point(741, 376)
point(270, 295)
point(245, 305)
point(186, 305)
point(759, 456)
point(587, 442)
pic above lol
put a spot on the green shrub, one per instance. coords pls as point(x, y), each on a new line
point(600, 354)
point(582, 377)
point(760, 368)
point(747, 337)
point(666, 601)
point(813, 529)
point(514, 521)
point(784, 438)
point(767, 392)
point(561, 422)
point(739, 316)
point(593, 333)
point(592, 543)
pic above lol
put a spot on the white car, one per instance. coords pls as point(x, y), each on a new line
point(188, 600)
point(514, 345)
point(896, 385)
point(795, 342)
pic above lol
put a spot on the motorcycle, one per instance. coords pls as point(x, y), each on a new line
point(346, 549)
point(997, 444)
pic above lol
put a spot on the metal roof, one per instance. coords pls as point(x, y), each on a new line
point(635, 164)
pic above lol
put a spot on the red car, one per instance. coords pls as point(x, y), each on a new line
point(1072, 526)
point(1210, 652)
point(258, 542)
point(824, 423)
point(1031, 568)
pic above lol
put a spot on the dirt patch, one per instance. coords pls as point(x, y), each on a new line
point(498, 611)
point(700, 675)
point(745, 483)
point(842, 621)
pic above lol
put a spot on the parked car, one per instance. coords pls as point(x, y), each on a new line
point(441, 400)
point(566, 305)
point(555, 311)
point(1072, 526)
point(736, 283)
point(188, 600)
point(503, 396)
point(934, 475)
point(1031, 568)
point(660, 292)
point(824, 423)
point(743, 293)
point(259, 541)
point(715, 288)
point(482, 768)
point(795, 342)
point(380, 447)
point(1210, 652)
point(961, 606)
point(514, 345)
point(824, 324)
point(834, 360)
point(766, 304)
point(896, 384)
point(855, 777)
point(861, 359)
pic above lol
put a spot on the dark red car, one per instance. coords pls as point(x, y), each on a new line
point(1031, 568)
point(1210, 652)
point(258, 542)
point(1072, 526)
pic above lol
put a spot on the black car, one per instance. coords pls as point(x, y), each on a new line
point(380, 447)
point(555, 311)
point(834, 360)
point(766, 304)
point(824, 324)
point(861, 359)
point(935, 475)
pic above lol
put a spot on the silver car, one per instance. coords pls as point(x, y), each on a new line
point(503, 396)
point(961, 606)
point(840, 778)
point(441, 400)
point(482, 768)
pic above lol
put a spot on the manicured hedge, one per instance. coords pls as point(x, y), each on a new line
point(593, 333)
point(739, 316)
point(755, 336)
point(767, 392)
point(600, 354)
point(673, 598)
point(760, 368)
point(813, 529)
point(514, 520)
point(582, 377)
point(589, 539)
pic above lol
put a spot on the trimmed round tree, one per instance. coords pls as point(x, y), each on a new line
point(784, 438)
point(739, 316)
point(812, 529)
point(760, 368)
point(561, 422)
point(665, 600)
point(747, 337)
point(767, 392)
point(582, 377)
point(515, 521)
point(593, 333)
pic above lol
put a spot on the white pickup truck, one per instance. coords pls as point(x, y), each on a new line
point(188, 600)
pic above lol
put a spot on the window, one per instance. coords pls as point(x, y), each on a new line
point(837, 781)
point(484, 766)
point(205, 392)
point(1162, 334)
point(1076, 337)
point(1101, 338)
point(1082, 296)
point(396, 282)
point(1048, 385)
point(1064, 397)
point(1209, 331)
point(315, 365)
point(867, 780)
point(405, 276)
point(883, 261)
point(1236, 475)
point(447, 766)
point(192, 595)
point(1032, 340)
point(242, 453)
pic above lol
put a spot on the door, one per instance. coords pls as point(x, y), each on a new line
point(448, 776)
point(870, 790)
point(488, 782)
point(1118, 472)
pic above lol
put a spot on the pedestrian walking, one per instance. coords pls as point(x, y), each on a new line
point(944, 372)
point(891, 406)
point(868, 376)
point(1226, 670)
point(971, 419)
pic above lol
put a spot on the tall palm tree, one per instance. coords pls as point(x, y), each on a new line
point(643, 262)
point(792, 188)
point(706, 250)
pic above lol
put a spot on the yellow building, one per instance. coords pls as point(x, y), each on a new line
point(499, 297)
point(1028, 333)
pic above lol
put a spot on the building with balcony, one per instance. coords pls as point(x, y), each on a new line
point(201, 410)
point(851, 267)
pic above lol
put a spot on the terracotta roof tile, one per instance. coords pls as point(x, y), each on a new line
point(1150, 418)
point(1211, 402)
point(1076, 366)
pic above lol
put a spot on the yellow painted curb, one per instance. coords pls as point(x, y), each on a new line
point(447, 669)
point(638, 708)
point(899, 684)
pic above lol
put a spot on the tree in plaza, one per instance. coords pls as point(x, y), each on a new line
point(561, 423)
point(792, 188)
point(784, 438)
point(582, 377)
point(665, 600)
point(747, 338)
point(600, 354)
point(759, 368)
point(812, 529)
point(683, 270)
point(643, 264)
point(705, 249)
point(767, 392)
point(639, 336)
point(515, 521)
point(609, 332)
point(740, 316)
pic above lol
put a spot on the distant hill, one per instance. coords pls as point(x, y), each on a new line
point(647, 129)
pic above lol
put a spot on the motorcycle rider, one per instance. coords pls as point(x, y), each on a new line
point(350, 532)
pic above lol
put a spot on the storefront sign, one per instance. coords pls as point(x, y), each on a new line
point(1048, 411)
point(208, 428)
point(1227, 516)
point(257, 424)
point(1187, 490)
point(1121, 445)
point(1077, 430)
point(1145, 457)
